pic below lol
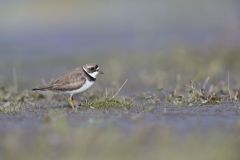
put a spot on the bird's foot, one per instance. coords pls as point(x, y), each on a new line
point(72, 102)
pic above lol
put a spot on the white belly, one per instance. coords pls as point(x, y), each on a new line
point(86, 86)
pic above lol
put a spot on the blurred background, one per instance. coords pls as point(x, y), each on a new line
point(72, 32)
point(32, 28)
point(157, 45)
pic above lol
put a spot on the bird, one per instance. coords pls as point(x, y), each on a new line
point(75, 81)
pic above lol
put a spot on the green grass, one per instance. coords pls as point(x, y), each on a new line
point(107, 103)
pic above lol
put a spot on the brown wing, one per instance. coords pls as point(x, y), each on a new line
point(69, 81)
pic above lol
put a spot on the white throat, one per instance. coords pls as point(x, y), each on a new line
point(93, 75)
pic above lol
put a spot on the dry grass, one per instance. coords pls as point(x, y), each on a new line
point(12, 101)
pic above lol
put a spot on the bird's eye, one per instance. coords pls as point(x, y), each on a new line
point(92, 68)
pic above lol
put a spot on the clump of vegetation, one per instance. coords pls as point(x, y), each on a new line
point(12, 101)
point(107, 103)
point(110, 101)
point(194, 94)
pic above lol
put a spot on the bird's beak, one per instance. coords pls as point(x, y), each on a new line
point(101, 72)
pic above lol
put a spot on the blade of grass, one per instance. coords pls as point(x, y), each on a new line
point(119, 89)
point(15, 80)
point(228, 85)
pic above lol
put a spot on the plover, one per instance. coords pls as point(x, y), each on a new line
point(73, 82)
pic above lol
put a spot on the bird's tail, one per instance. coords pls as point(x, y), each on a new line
point(42, 88)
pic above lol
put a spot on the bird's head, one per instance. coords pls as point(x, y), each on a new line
point(92, 69)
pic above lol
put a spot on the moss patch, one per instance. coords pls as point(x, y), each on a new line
point(109, 103)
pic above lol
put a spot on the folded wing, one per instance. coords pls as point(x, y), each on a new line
point(69, 81)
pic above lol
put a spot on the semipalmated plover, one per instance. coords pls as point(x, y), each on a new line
point(76, 81)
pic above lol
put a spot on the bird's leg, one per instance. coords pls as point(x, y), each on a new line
point(72, 102)
point(75, 102)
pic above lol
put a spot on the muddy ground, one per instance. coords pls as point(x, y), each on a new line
point(173, 106)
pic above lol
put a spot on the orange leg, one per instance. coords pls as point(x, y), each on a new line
point(72, 102)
